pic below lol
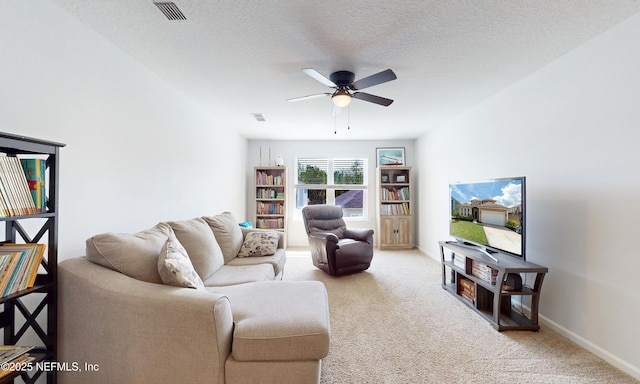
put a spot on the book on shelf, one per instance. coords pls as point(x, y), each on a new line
point(16, 198)
point(11, 352)
point(266, 208)
point(14, 358)
point(34, 170)
point(19, 264)
point(467, 289)
point(266, 178)
point(484, 272)
point(467, 296)
point(395, 209)
point(394, 193)
point(275, 223)
point(268, 193)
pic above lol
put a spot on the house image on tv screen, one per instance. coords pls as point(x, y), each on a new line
point(488, 213)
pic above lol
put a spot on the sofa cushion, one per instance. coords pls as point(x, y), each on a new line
point(277, 261)
point(240, 274)
point(259, 243)
point(135, 255)
point(174, 266)
point(228, 234)
point(200, 243)
point(283, 321)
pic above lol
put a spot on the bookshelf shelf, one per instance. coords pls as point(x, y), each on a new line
point(270, 207)
point(394, 207)
point(492, 300)
point(31, 313)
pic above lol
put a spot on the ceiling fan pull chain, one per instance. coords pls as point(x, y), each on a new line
point(348, 118)
point(335, 130)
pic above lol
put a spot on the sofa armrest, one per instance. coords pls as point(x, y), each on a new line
point(135, 331)
point(359, 234)
point(280, 234)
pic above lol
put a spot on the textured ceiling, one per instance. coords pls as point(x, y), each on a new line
point(242, 57)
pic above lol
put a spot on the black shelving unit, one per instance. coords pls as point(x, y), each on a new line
point(34, 310)
point(492, 301)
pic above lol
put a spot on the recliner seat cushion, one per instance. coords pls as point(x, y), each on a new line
point(351, 252)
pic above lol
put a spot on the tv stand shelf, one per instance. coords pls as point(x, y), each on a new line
point(492, 300)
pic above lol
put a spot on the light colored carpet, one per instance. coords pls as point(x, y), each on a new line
point(395, 324)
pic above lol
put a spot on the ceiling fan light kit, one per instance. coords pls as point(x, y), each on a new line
point(341, 98)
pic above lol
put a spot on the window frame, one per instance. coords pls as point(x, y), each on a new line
point(330, 187)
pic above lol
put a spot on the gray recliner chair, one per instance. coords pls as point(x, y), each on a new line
point(336, 249)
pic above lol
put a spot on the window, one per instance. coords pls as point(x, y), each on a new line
point(341, 182)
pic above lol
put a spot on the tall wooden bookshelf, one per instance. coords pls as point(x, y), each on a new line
point(270, 210)
point(32, 313)
point(395, 207)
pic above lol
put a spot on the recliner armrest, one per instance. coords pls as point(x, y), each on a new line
point(324, 236)
point(361, 234)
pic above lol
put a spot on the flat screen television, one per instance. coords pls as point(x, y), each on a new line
point(490, 215)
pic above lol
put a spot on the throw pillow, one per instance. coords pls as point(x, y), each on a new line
point(135, 255)
point(259, 243)
point(174, 266)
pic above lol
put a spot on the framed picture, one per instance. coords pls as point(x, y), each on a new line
point(401, 179)
point(384, 178)
point(390, 156)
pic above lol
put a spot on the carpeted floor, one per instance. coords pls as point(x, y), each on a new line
point(395, 324)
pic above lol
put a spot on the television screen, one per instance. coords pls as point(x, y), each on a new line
point(490, 214)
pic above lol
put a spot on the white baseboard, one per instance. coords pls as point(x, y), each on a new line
point(589, 346)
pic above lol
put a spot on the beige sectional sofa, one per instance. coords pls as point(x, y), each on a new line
point(194, 301)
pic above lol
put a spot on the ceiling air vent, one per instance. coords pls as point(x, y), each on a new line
point(258, 116)
point(170, 10)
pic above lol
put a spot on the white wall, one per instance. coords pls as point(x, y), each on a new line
point(291, 150)
point(138, 152)
point(573, 129)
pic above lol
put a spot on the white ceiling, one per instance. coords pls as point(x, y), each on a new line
point(239, 57)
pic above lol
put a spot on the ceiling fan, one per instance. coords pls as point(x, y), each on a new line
point(346, 88)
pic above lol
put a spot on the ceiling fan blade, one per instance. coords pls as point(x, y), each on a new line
point(318, 76)
point(378, 78)
point(309, 97)
point(372, 98)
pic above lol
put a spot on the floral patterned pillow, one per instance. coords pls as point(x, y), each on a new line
point(259, 243)
point(175, 267)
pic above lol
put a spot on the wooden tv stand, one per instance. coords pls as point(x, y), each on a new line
point(490, 299)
